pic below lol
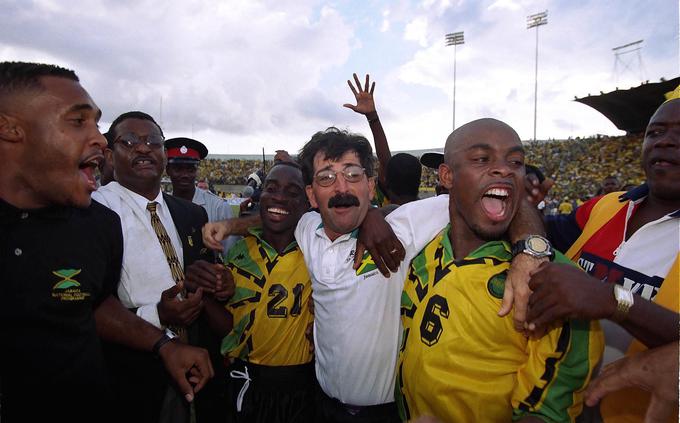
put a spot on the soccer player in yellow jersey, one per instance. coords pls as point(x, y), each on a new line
point(458, 361)
point(272, 374)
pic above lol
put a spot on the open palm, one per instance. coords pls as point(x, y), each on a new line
point(363, 95)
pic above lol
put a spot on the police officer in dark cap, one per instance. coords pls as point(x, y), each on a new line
point(184, 155)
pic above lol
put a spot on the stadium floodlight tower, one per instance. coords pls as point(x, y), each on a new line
point(454, 39)
point(620, 55)
point(534, 21)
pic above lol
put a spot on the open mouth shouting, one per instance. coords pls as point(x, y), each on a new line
point(87, 168)
point(495, 203)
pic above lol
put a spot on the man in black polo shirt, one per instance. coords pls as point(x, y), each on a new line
point(60, 258)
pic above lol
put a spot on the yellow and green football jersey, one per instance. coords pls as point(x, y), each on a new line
point(460, 362)
point(270, 306)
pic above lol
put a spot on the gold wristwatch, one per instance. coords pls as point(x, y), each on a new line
point(624, 301)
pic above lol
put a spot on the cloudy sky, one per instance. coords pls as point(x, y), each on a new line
point(241, 75)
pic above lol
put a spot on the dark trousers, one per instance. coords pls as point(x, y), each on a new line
point(139, 383)
point(330, 410)
point(271, 394)
point(210, 402)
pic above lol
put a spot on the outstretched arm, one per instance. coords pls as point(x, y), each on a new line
point(366, 106)
point(561, 291)
point(214, 232)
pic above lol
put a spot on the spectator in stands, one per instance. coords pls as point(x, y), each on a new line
point(565, 207)
point(161, 238)
point(399, 182)
point(561, 161)
point(631, 242)
point(609, 184)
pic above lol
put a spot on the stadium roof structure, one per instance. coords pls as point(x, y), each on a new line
point(630, 110)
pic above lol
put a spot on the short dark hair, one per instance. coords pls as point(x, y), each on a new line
point(334, 142)
point(286, 163)
point(129, 115)
point(17, 76)
point(403, 174)
point(294, 165)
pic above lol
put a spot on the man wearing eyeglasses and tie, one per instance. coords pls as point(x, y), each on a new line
point(162, 235)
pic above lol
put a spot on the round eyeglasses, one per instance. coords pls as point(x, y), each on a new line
point(352, 173)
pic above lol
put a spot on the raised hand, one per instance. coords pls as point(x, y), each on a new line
point(363, 95)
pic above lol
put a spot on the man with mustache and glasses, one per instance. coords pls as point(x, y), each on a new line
point(161, 235)
point(61, 259)
point(631, 241)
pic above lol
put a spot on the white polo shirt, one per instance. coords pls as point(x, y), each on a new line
point(356, 323)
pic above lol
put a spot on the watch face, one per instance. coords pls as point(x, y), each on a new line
point(537, 244)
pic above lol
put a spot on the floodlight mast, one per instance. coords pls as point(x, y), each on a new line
point(624, 50)
point(534, 21)
point(454, 39)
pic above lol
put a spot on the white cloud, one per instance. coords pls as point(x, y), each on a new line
point(245, 74)
point(236, 68)
point(416, 30)
point(496, 70)
point(385, 26)
point(504, 5)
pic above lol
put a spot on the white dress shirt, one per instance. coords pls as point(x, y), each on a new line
point(356, 317)
point(145, 273)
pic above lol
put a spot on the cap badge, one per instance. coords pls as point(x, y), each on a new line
point(183, 149)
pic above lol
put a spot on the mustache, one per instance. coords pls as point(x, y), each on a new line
point(343, 200)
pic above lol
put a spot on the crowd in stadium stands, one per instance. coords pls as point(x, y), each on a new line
point(576, 165)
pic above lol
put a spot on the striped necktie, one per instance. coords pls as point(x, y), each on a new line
point(169, 251)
